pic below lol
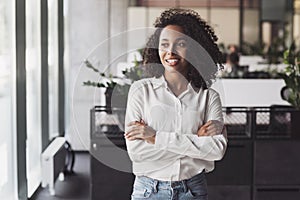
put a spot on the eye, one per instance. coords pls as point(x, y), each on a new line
point(181, 44)
point(164, 45)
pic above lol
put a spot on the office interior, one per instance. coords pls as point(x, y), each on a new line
point(44, 49)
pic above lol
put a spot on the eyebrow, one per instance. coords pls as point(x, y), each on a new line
point(181, 38)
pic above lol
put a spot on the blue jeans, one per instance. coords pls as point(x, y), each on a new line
point(148, 188)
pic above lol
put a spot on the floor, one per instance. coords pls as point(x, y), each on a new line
point(75, 186)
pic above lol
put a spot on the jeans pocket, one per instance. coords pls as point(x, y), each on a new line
point(141, 190)
point(139, 193)
point(197, 188)
point(197, 194)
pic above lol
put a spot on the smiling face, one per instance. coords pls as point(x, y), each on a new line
point(173, 49)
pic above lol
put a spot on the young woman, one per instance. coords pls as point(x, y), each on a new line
point(174, 129)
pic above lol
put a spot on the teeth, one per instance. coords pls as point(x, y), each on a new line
point(172, 60)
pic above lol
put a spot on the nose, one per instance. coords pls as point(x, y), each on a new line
point(171, 50)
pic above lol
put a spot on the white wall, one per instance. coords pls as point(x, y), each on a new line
point(225, 22)
point(95, 30)
point(85, 29)
point(251, 26)
point(297, 26)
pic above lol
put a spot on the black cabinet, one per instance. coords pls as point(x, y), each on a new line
point(111, 176)
point(291, 192)
point(232, 177)
point(111, 168)
point(109, 183)
point(277, 162)
point(236, 166)
point(262, 161)
point(229, 192)
point(257, 169)
point(277, 174)
point(259, 164)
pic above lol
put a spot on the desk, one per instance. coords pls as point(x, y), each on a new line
point(250, 92)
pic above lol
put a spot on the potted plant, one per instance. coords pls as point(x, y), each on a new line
point(291, 91)
point(117, 88)
point(291, 77)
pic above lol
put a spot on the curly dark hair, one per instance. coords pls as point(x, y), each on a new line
point(200, 32)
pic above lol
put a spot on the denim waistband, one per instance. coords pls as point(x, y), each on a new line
point(157, 184)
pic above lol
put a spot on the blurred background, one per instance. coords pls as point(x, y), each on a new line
point(46, 47)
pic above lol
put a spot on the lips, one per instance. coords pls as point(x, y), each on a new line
point(172, 61)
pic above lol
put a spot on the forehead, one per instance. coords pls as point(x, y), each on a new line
point(172, 32)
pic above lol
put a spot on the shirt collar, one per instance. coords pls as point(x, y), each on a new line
point(161, 82)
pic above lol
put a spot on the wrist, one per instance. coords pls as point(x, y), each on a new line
point(151, 140)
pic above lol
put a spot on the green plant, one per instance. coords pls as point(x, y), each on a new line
point(115, 82)
point(253, 49)
point(291, 76)
point(110, 81)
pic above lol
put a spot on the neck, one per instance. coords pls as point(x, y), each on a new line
point(176, 81)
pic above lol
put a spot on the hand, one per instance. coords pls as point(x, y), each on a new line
point(140, 130)
point(212, 127)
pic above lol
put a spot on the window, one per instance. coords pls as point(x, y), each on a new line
point(33, 95)
point(53, 67)
point(7, 84)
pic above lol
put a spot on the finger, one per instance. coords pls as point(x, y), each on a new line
point(136, 129)
point(211, 132)
point(202, 132)
point(136, 123)
point(132, 138)
point(134, 133)
point(132, 123)
point(204, 126)
point(214, 131)
point(207, 123)
point(143, 122)
point(133, 129)
point(217, 126)
point(212, 128)
point(135, 136)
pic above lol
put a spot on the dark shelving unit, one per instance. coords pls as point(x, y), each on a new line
point(261, 161)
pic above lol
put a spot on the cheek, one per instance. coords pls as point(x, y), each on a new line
point(183, 53)
point(161, 55)
point(187, 55)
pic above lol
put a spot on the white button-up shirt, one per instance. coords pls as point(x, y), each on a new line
point(178, 153)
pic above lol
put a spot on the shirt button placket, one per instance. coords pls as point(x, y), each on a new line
point(179, 115)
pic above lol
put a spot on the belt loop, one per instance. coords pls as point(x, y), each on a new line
point(185, 187)
point(155, 183)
